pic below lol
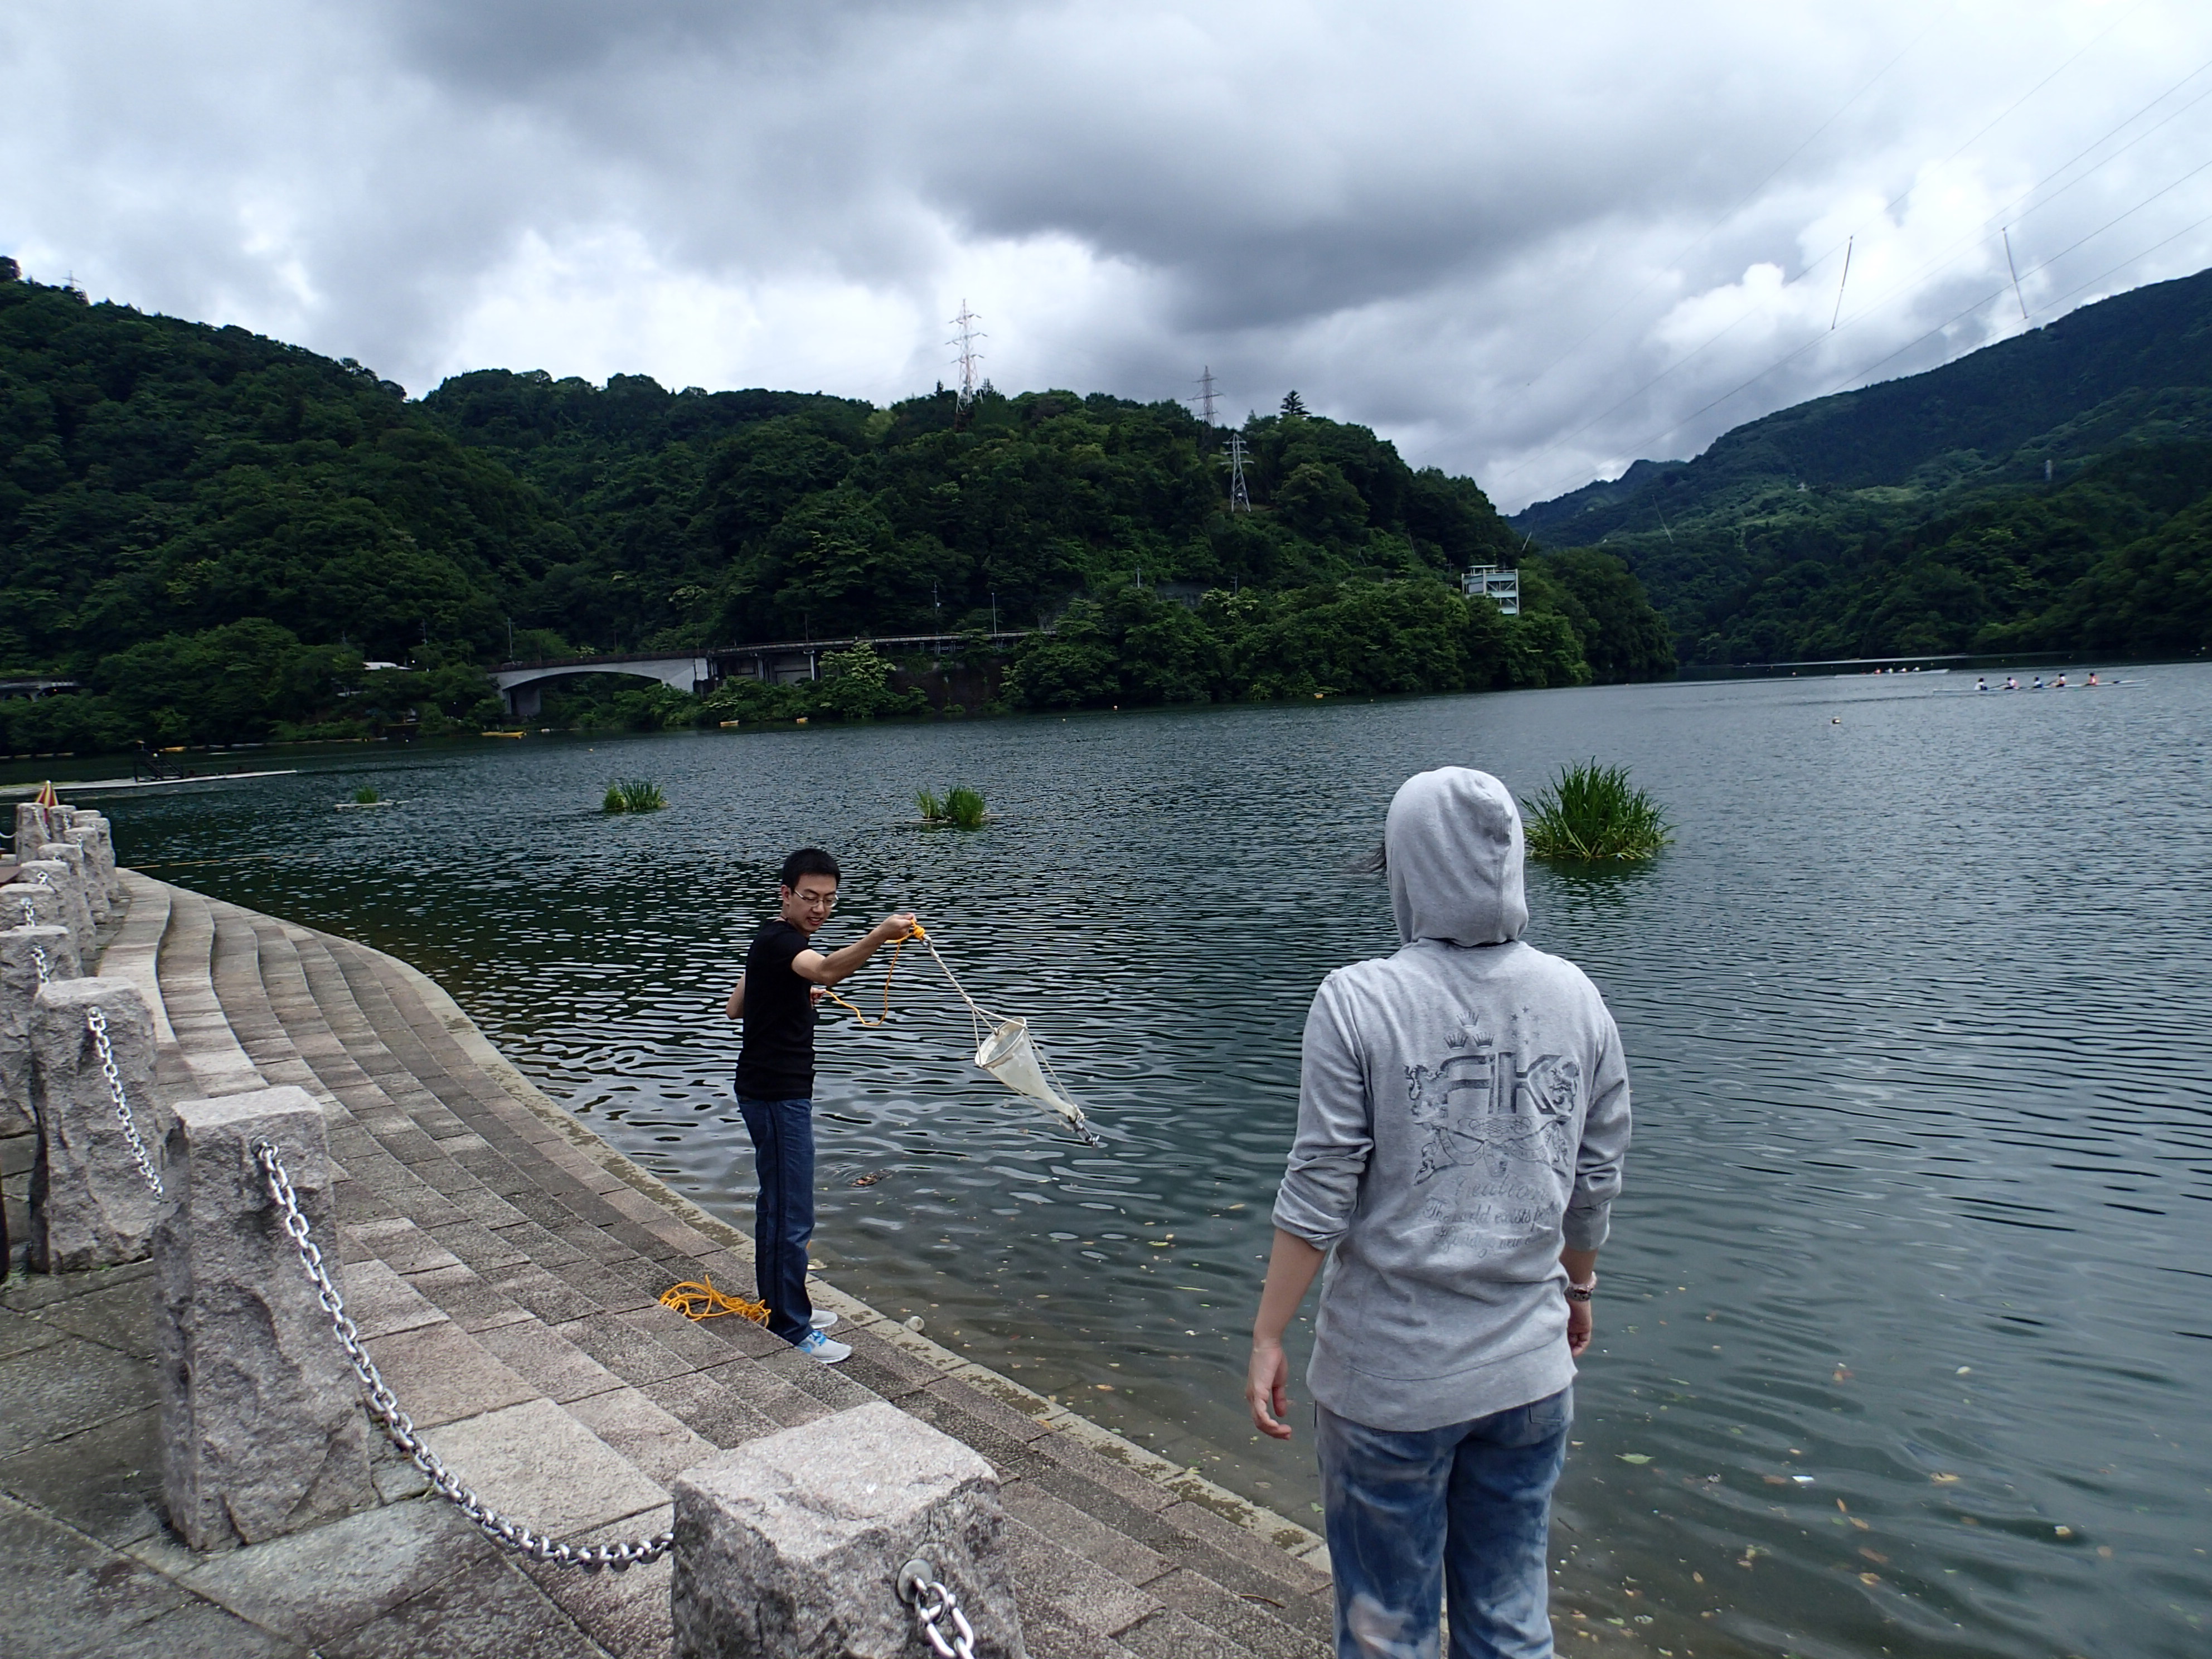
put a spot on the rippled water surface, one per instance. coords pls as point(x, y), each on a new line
point(1907, 1321)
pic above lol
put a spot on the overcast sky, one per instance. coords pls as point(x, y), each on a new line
point(1531, 243)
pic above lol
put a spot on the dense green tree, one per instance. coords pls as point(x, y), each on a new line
point(1318, 501)
point(234, 682)
point(176, 500)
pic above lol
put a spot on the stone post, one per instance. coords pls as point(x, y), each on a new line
point(20, 979)
point(117, 892)
point(261, 1425)
point(88, 879)
point(34, 827)
point(30, 902)
point(790, 1547)
point(60, 880)
point(98, 856)
point(91, 1206)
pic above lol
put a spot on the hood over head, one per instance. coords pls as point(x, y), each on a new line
point(1455, 851)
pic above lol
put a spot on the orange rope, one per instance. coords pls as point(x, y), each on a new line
point(893, 969)
point(694, 1300)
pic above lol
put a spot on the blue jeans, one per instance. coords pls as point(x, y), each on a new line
point(783, 1214)
point(1461, 1514)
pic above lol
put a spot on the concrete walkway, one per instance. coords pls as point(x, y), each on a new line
point(504, 1266)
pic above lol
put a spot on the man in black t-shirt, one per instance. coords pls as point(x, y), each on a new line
point(784, 977)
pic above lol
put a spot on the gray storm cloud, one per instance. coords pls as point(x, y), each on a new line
point(1531, 244)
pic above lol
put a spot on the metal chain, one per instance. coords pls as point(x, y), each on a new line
point(38, 951)
point(96, 1021)
point(963, 1644)
point(384, 1406)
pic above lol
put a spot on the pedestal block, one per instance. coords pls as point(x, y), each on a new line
point(263, 1430)
point(88, 883)
point(34, 827)
point(20, 979)
point(98, 856)
point(790, 1547)
point(90, 1205)
point(58, 877)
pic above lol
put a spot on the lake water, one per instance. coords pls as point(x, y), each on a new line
point(1907, 1320)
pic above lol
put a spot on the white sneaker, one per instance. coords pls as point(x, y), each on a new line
point(819, 1347)
point(824, 1319)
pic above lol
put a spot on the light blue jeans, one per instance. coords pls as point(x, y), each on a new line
point(1461, 1514)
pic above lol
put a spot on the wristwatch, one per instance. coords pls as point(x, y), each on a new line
point(1581, 1292)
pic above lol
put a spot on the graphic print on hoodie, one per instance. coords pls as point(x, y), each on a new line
point(1462, 1115)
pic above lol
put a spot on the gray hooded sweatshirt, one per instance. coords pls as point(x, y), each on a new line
point(1462, 1116)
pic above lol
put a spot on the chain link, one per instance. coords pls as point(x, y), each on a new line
point(96, 1021)
point(38, 951)
point(963, 1644)
point(399, 1428)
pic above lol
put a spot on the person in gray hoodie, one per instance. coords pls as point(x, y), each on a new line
point(1462, 1116)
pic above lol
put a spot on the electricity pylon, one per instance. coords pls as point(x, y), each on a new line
point(1239, 500)
point(1205, 396)
point(968, 357)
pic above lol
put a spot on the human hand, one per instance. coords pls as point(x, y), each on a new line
point(815, 993)
point(898, 925)
point(1268, 1387)
point(1579, 1326)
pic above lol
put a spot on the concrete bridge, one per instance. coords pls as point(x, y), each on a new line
point(522, 684)
point(775, 662)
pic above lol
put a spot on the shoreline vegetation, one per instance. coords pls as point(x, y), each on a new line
point(221, 538)
point(208, 537)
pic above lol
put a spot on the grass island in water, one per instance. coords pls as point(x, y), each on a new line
point(1593, 813)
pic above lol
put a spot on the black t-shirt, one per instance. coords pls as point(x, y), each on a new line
point(777, 1059)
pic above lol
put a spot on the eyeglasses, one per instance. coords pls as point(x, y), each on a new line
point(818, 901)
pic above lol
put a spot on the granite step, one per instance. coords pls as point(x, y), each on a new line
point(214, 1062)
point(505, 1270)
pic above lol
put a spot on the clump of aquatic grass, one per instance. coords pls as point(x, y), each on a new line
point(965, 807)
point(961, 808)
point(365, 796)
point(1593, 813)
point(634, 795)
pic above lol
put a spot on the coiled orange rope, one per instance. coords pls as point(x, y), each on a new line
point(887, 972)
point(697, 1300)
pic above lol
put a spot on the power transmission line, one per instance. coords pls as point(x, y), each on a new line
point(1748, 197)
point(2014, 270)
point(1939, 327)
point(2037, 271)
point(1934, 264)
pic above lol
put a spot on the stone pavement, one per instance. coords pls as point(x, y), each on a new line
point(504, 1266)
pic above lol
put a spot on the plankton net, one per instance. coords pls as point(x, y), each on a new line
point(1004, 1045)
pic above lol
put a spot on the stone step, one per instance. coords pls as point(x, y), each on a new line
point(541, 1460)
point(599, 1226)
point(134, 952)
point(216, 1065)
point(507, 1279)
point(1193, 1530)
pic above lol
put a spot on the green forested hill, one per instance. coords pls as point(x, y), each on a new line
point(214, 531)
point(2044, 493)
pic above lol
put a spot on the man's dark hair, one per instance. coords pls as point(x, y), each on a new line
point(809, 861)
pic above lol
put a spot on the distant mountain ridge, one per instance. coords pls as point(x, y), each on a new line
point(2002, 410)
point(2041, 492)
